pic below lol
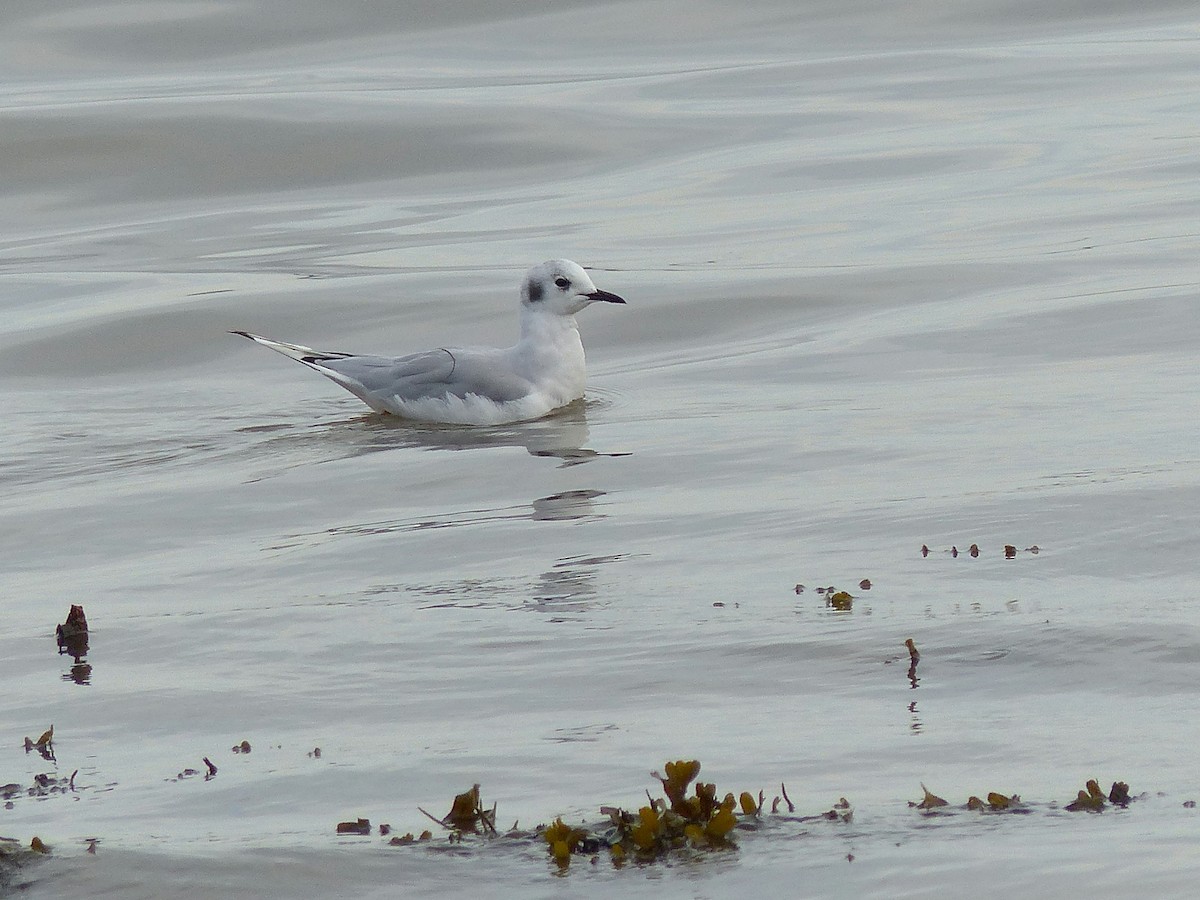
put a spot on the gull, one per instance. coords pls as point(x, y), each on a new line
point(544, 370)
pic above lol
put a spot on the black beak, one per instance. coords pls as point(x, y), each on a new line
point(605, 296)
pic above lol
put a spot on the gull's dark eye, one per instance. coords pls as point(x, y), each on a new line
point(562, 283)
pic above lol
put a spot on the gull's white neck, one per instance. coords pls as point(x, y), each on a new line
point(550, 348)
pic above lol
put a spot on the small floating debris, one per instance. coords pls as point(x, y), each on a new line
point(913, 653)
point(44, 745)
point(359, 826)
point(840, 600)
point(1093, 799)
point(841, 811)
point(1090, 800)
point(467, 814)
point(1119, 795)
point(72, 635)
point(1010, 551)
point(409, 839)
point(996, 802)
point(786, 799)
point(835, 597)
point(563, 840)
point(929, 801)
point(209, 773)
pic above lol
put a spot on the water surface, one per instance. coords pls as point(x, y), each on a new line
point(920, 278)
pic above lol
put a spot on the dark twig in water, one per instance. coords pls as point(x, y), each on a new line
point(787, 799)
point(435, 818)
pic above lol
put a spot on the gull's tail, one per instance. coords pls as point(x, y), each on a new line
point(307, 355)
point(316, 360)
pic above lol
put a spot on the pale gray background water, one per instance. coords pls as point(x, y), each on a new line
point(926, 275)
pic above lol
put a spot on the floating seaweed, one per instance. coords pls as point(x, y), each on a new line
point(913, 653)
point(689, 818)
point(1119, 795)
point(836, 598)
point(930, 800)
point(72, 635)
point(44, 745)
point(842, 601)
point(914, 659)
point(563, 840)
point(1092, 799)
point(210, 772)
point(409, 839)
point(1010, 551)
point(467, 814)
point(996, 802)
point(677, 822)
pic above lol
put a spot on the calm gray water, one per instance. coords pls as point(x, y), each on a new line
point(923, 276)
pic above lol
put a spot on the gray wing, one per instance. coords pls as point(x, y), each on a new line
point(432, 373)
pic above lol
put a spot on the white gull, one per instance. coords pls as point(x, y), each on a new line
point(544, 370)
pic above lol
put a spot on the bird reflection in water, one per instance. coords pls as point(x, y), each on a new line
point(562, 435)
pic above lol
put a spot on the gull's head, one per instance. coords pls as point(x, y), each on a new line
point(561, 287)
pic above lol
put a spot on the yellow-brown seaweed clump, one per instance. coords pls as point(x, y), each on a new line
point(699, 819)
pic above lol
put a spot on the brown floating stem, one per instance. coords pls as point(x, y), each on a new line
point(786, 798)
point(435, 818)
